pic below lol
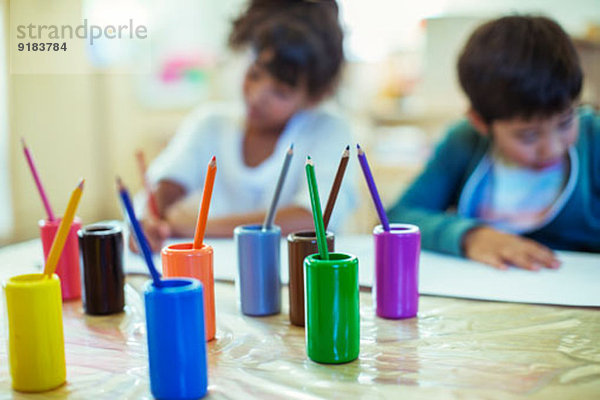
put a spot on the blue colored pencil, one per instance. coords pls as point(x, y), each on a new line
point(138, 233)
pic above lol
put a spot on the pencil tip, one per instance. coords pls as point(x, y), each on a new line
point(119, 182)
point(358, 146)
point(81, 182)
point(348, 147)
point(23, 142)
point(213, 161)
point(309, 160)
point(292, 145)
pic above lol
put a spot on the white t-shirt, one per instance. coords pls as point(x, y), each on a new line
point(518, 199)
point(218, 131)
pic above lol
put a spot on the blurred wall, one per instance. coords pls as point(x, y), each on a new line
point(59, 117)
point(6, 213)
point(89, 125)
point(79, 125)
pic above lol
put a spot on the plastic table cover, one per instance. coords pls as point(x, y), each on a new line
point(454, 349)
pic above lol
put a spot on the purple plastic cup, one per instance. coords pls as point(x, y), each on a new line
point(396, 283)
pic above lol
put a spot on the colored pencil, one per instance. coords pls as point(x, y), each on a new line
point(139, 155)
point(209, 182)
point(63, 230)
point(270, 217)
point(138, 233)
point(316, 208)
point(362, 158)
point(335, 188)
point(37, 180)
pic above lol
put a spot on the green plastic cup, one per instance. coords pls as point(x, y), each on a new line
point(332, 308)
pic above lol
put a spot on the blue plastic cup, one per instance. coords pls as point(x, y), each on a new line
point(259, 281)
point(176, 342)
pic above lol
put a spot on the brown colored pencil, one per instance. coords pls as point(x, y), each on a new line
point(152, 205)
point(335, 188)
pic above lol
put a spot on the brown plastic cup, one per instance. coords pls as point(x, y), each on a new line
point(301, 245)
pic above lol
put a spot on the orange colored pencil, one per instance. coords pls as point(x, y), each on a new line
point(204, 206)
point(63, 230)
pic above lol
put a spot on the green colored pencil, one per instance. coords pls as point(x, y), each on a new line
point(316, 209)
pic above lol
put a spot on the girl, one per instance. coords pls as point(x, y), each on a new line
point(297, 57)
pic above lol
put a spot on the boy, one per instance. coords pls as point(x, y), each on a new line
point(523, 171)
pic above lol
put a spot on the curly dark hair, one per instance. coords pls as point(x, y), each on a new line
point(519, 66)
point(305, 37)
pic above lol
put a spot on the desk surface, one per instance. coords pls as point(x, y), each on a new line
point(454, 349)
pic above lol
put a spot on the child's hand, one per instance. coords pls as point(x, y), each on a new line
point(156, 231)
point(500, 250)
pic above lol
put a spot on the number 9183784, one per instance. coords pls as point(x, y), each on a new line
point(43, 46)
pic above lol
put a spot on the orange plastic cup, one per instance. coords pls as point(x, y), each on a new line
point(182, 260)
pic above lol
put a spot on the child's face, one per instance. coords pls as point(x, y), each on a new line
point(536, 143)
point(270, 103)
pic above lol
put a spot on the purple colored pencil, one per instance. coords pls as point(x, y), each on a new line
point(38, 182)
point(362, 158)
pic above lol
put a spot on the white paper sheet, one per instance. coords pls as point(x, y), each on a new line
point(576, 283)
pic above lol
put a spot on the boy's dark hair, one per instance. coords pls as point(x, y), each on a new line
point(519, 66)
point(304, 36)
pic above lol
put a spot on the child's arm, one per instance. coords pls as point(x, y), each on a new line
point(178, 169)
point(182, 221)
point(157, 230)
point(427, 199)
point(436, 189)
point(166, 194)
point(500, 249)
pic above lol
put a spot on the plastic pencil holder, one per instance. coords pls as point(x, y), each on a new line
point(36, 345)
point(259, 281)
point(68, 263)
point(332, 308)
point(396, 283)
point(176, 342)
point(182, 260)
point(102, 259)
point(301, 245)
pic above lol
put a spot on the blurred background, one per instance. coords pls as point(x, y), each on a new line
point(88, 115)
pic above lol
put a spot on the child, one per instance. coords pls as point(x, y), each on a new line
point(523, 171)
point(297, 57)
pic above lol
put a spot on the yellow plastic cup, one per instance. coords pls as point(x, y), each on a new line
point(36, 343)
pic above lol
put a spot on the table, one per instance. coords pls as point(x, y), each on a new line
point(455, 349)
